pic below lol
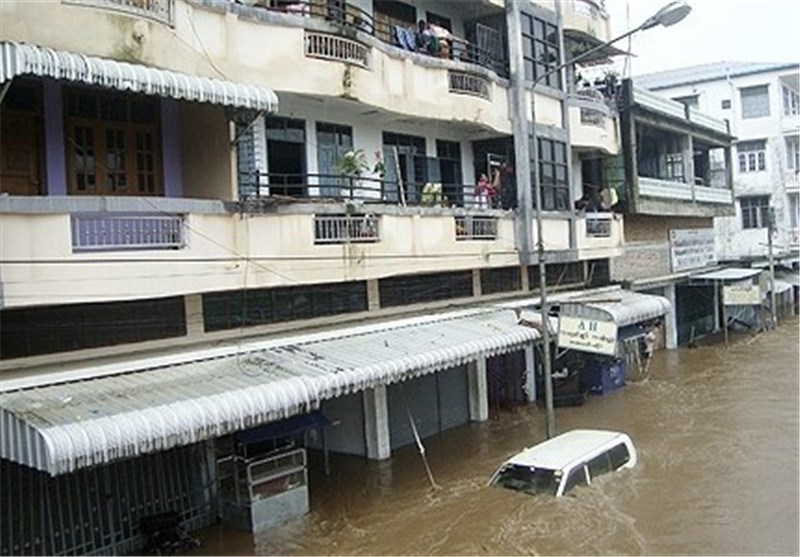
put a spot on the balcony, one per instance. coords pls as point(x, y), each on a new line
point(593, 121)
point(158, 10)
point(587, 18)
point(62, 250)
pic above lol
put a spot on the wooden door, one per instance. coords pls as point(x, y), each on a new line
point(20, 153)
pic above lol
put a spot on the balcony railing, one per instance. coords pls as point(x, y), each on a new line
point(332, 47)
point(159, 10)
point(468, 84)
point(598, 226)
point(276, 187)
point(346, 229)
point(127, 232)
point(476, 228)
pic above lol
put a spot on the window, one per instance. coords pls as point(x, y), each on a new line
point(113, 144)
point(691, 100)
point(247, 308)
point(619, 455)
point(576, 477)
point(752, 155)
point(500, 279)
point(540, 50)
point(47, 330)
point(755, 101)
point(412, 289)
point(599, 465)
point(793, 153)
point(791, 101)
point(726, 104)
point(794, 210)
point(755, 211)
point(553, 175)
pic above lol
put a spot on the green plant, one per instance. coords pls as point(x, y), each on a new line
point(352, 163)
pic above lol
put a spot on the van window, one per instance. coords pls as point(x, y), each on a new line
point(576, 477)
point(619, 455)
point(599, 465)
point(527, 478)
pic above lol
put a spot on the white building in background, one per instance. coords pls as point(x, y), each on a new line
point(762, 103)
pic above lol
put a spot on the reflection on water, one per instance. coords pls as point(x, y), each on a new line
point(717, 433)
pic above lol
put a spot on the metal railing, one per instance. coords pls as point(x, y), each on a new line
point(159, 10)
point(243, 481)
point(338, 187)
point(468, 84)
point(346, 229)
point(476, 228)
point(332, 47)
point(598, 226)
point(127, 232)
point(351, 19)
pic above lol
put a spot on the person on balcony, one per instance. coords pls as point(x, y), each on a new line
point(427, 41)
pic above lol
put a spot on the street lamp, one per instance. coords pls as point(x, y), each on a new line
point(669, 15)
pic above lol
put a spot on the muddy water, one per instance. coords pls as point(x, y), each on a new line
point(717, 432)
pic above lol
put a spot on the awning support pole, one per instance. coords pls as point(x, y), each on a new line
point(4, 90)
point(420, 446)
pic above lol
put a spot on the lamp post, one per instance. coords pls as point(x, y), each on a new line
point(670, 14)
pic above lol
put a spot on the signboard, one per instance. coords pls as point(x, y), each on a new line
point(692, 248)
point(587, 335)
point(741, 295)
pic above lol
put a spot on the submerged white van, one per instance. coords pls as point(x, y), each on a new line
point(559, 464)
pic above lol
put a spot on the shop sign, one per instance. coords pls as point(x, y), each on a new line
point(691, 248)
point(587, 335)
point(741, 295)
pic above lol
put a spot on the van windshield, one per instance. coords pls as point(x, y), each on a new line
point(527, 478)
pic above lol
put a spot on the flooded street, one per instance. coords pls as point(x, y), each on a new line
point(716, 428)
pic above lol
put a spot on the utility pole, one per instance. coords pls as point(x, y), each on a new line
point(772, 299)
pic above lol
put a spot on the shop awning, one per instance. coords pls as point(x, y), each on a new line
point(791, 278)
point(59, 428)
point(732, 274)
point(623, 307)
point(24, 59)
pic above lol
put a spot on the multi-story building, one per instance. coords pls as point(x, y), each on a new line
point(762, 104)
point(220, 218)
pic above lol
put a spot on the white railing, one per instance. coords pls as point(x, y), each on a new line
point(346, 229)
point(128, 232)
point(712, 195)
point(468, 84)
point(645, 98)
point(331, 47)
point(476, 228)
point(159, 10)
point(653, 187)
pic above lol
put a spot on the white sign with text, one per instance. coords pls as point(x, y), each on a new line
point(587, 335)
point(691, 248)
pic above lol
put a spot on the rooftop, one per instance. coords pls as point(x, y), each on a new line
point(560, 451)
point(708, 72)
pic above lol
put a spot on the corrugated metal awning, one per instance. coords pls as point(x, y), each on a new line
point(623, 307)
point(729, 274)
point(24, 59)
point(791, 278)
point(59, 428)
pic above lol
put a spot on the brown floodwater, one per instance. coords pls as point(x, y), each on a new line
point(716, 428)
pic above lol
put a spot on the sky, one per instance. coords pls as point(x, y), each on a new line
point(714, 31)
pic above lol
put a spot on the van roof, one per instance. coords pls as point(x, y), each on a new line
point(560, 451)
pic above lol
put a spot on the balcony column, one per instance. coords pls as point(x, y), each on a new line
point(477, 290)
point(373, 295)
point(530, 374)
point(688, 161)
point(193, 307)
point(670, 322)
point(376, 423)
point(478, 393)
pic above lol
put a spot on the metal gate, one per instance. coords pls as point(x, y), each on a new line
point(96, 511)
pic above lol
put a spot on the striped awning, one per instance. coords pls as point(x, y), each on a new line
point(25, 59)
point(59, 428)
point(623, 307)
